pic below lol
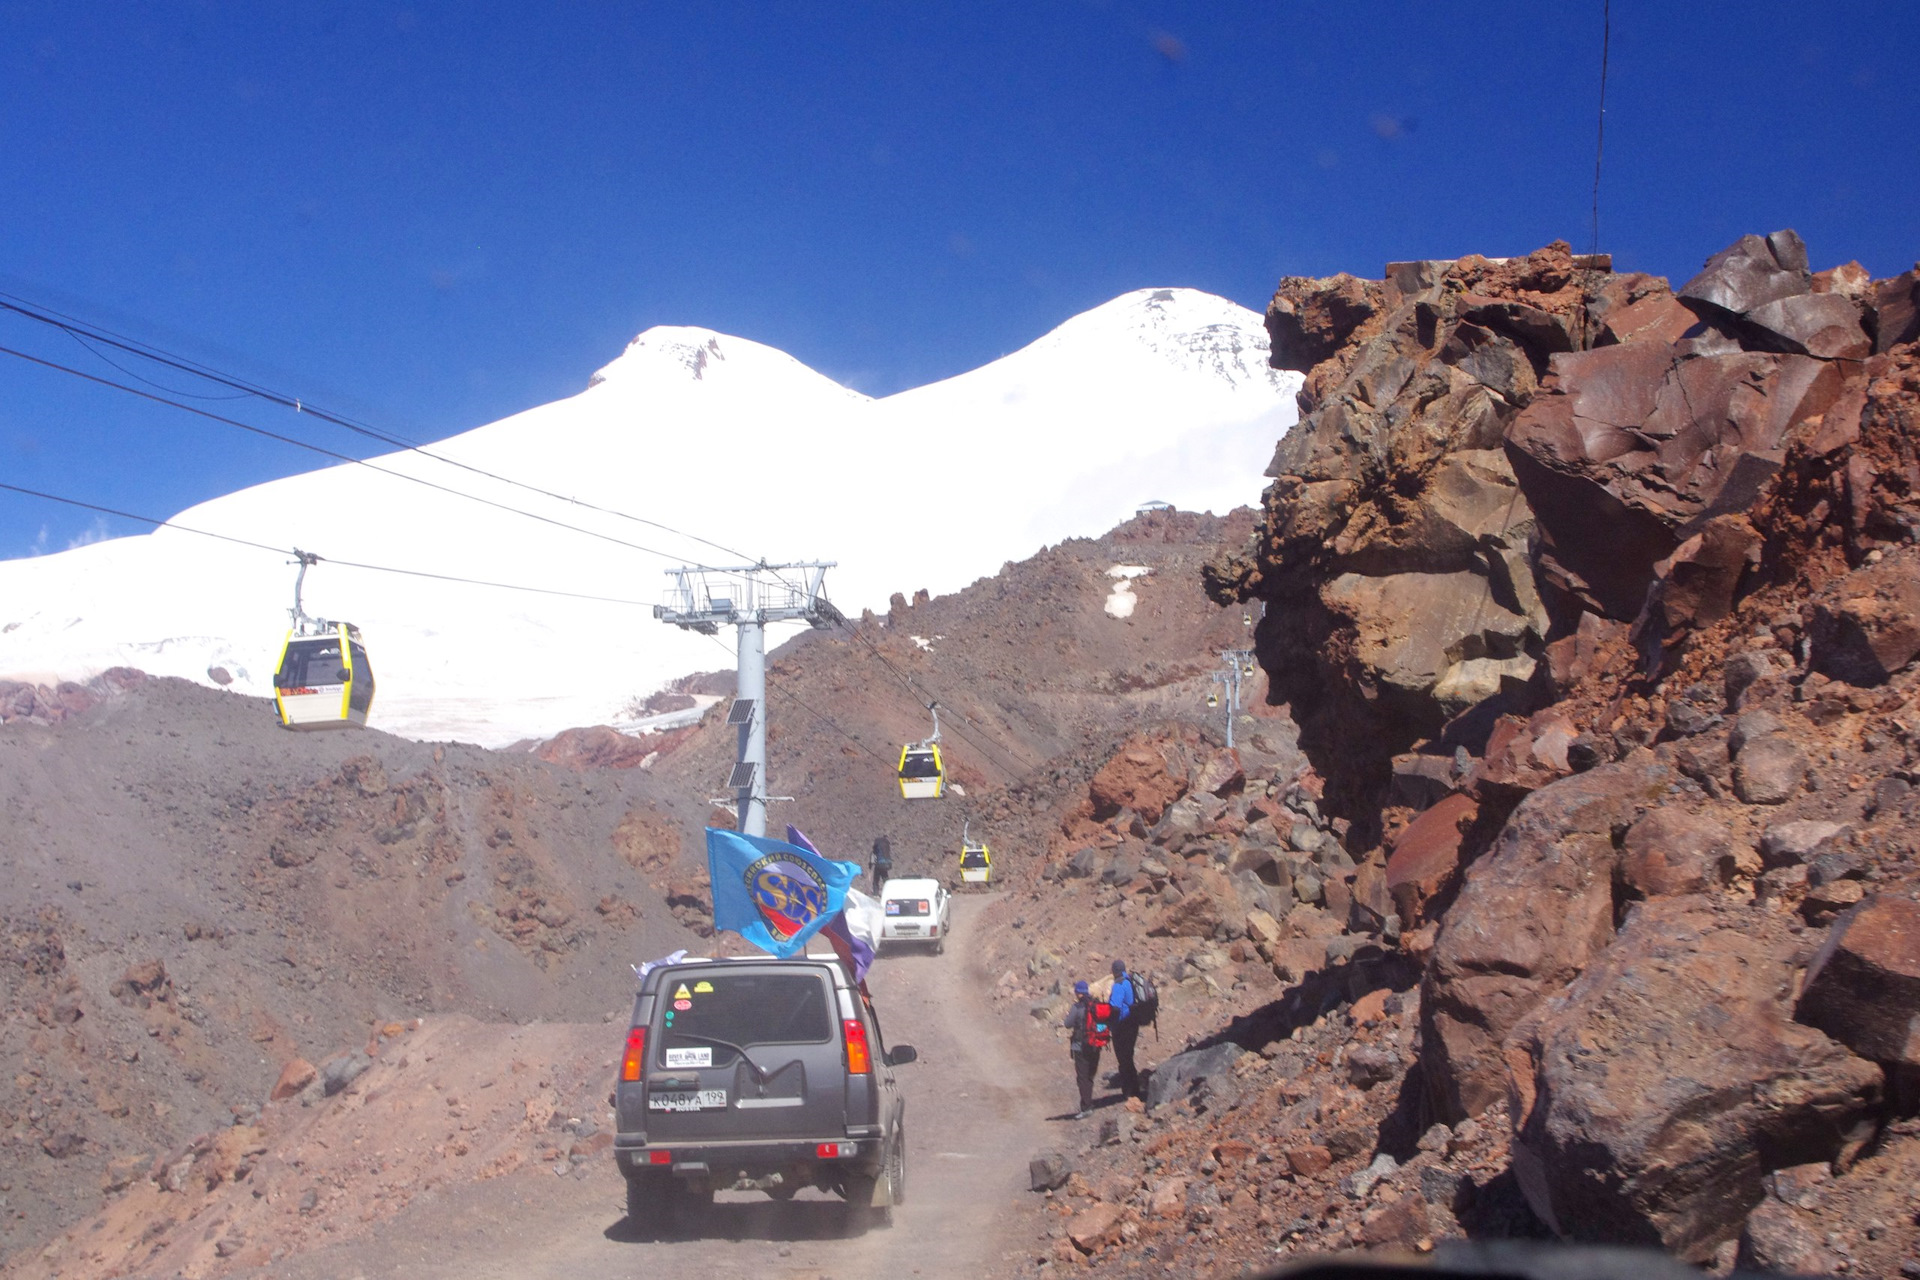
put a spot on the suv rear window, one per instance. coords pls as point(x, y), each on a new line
point(703, 1007)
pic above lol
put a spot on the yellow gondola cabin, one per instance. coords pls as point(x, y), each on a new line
point(923, 775)
point(324, 680)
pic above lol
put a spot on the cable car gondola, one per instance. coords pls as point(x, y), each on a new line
point(922, 773)
point(976, 860)
point(324, 679)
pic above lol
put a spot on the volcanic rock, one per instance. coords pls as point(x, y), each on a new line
point(1863, 985)
point(1866, 626)
point(1425, 864)
point(1652, 1099)
point(1672, 852)
point(1532, 914)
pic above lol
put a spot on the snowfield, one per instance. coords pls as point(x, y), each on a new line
point(1160, 394)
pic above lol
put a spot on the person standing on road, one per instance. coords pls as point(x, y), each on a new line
point(1085, 1054)
point(1126, 1030)
point(882, 862)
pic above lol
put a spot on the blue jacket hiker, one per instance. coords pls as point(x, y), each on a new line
point(1126, 1029)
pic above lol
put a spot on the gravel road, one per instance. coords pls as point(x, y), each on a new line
point(977, 1109)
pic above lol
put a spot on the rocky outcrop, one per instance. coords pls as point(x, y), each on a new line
point(1651, 1101)
point(1533, 913)
point(1617, 583)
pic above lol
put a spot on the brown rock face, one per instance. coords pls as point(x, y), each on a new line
point(1671, 852)
point(1425, 864)
point(1863, 987)
point(1534, 912)
point(1137, 778)
point(1650, 1102)
point(1867, 626)
point(1310, 319)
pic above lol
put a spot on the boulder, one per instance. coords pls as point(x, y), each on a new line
point(1136, 778)
point(1778, 1240)
point(1867, 626)
point(1425, 863)
point(1896, 305)
point(1532, 913)
point(1308, 319)
point(1863, 984)
point(1769, 770)
point(1650, 1101)
point(1787, 844)
point(1370, 1065)
point(1306, 1162)
point(339, 1072)
point(294, 1077)
point(1049, 1170)
point(1826, 325)
point(1183, 1073)
point(1750, 273)
point(1671, 851)
point(1219, 773)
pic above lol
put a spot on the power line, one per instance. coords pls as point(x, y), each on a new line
point(329, 453)
point(346, 564)
point(81, 332)
point(1600, 131)
point(795, 698)
point(988, 747)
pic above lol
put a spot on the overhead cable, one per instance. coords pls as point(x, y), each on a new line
point(347, 564)
point(330, 453)
point(82, 332)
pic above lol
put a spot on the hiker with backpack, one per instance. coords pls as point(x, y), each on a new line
point(1089, 1025)
point(1130, 1013)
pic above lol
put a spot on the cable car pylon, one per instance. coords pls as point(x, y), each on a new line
point(749, 597)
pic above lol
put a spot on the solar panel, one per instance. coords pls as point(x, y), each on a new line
point(742, 712)
point(742, 776)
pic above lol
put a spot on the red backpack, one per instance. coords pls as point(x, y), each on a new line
point(1099, 1024)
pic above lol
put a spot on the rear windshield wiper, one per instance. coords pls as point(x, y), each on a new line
point(728, 1044)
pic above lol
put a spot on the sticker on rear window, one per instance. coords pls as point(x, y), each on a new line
point(703, 988)
point(683, 993)
point(701, 1056)
point(683, 1005)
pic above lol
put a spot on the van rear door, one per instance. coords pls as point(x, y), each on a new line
point(744, 1052)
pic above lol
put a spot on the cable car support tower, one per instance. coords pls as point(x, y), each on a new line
point(704, 599)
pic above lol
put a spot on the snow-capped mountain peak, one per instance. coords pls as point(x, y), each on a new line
point(691, 447)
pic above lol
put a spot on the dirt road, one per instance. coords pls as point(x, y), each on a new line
point(978, 1107)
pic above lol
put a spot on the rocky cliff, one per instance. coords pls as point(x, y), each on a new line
point(1596, 603)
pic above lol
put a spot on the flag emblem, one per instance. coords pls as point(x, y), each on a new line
point(787, 894)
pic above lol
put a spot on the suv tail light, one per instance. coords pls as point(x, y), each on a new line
point(933, 931)
point(636, 1054)
point(836, 1150)
point(859, 1057)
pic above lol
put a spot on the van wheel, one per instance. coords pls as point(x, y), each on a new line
point(649, 1200)
point(940, 947)
point(897, 1164)
point(860, 1211)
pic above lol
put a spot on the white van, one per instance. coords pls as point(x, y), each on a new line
point(916, 910)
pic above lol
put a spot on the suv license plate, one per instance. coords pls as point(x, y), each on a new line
point(700, 1101)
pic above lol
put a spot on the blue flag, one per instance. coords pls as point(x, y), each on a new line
point(774, 894)
point(850, 941)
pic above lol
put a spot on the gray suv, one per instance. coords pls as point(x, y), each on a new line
point(757, 1074)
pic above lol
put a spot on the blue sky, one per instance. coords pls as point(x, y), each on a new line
point(432, 215)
